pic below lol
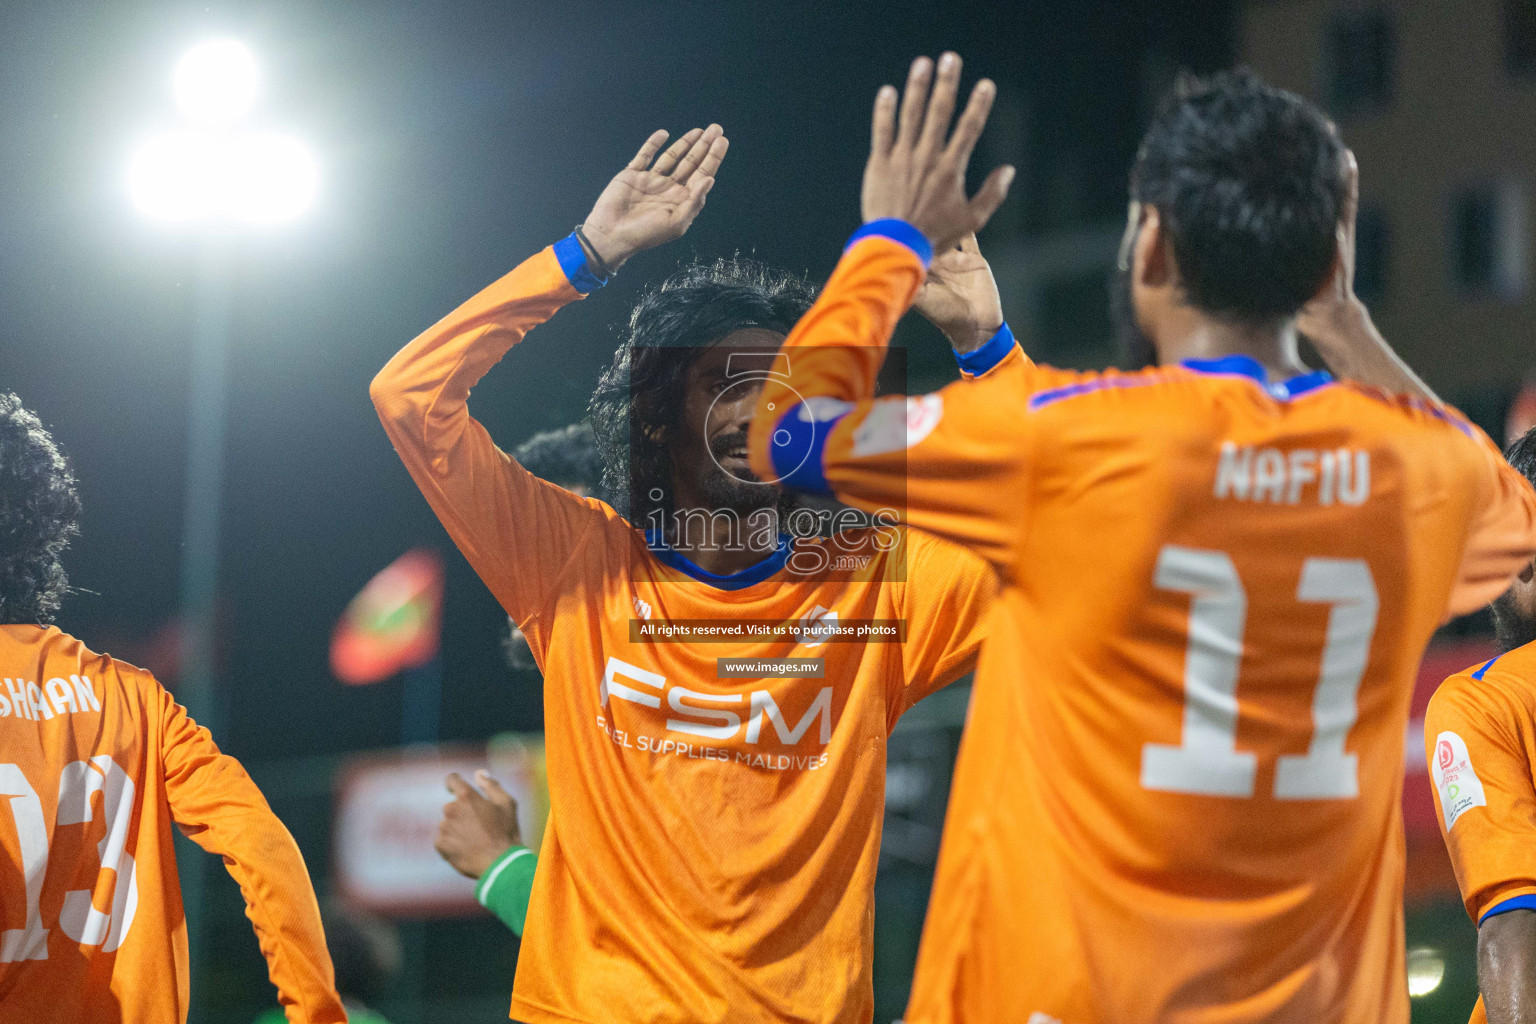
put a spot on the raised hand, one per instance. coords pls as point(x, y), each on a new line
point(476, 828)
point(960, 297)
point(1336, 309)
point(655, 198)
point(1340, 326)
point(916, 169)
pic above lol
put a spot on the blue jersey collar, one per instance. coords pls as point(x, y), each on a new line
point(1247, 366)
point(735, 581)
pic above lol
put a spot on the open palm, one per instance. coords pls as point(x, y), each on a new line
point(656, 198)
point(960, 296)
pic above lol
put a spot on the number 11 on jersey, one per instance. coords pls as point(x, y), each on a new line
point(1207, 761)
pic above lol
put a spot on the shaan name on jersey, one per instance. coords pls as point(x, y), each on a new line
point(57, 696)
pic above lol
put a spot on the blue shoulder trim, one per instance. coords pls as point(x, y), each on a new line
point(1241, 365)
point(1306, 382)
point(573, 260)
point(1526, 902)
point(981, 360)
point(1246, 366)
point(734, 581)
point(897, 231)
point(1478, 675)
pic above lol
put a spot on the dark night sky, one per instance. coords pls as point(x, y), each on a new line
point(455, 140)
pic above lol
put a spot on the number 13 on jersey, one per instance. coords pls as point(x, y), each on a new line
point(1207, 761)
point(78, 917)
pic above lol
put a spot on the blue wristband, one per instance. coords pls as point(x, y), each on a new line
point(573, 260)
point(981, 360)
point(798, 447)
point(897, 231)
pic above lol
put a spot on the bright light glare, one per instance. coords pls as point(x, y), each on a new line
point(171, 178)
point(1426, 969)
point(195, 176)
point(216, 82)
point(274, 180)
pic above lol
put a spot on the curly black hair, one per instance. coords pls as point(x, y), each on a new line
point(1249, 181)
point(39, 513)
point(567, 456)
point(639, 397)
point(1521, 454)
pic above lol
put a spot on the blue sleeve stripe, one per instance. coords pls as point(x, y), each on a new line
point(1041, 399)
point(1478, 675)
point(984, 359)
point(1526, 902)
point(573, 260)
point(798, 449)
point(897, 231)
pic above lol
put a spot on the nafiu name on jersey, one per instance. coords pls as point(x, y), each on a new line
point(1291, 476)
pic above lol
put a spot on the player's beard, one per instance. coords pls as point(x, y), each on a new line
point(1511, 628)
point(1136, 349)
point(742, 493)
point(724, 491)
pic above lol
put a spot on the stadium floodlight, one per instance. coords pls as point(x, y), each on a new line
point(273, 179)
point(168, 179)
point(188, 176)
point(212, 172)
point(1426, 969)
point(215, 170)
point(216, 82)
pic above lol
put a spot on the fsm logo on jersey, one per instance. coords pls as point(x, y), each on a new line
point(1457, 783)
point(750, 718)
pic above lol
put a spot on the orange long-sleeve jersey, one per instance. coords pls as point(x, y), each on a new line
point(712, 841)
point(1480, 741)
point(97, 764)
point(1177, 799)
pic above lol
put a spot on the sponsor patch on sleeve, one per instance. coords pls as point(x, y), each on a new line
point(893, 424)
point(1460, 788)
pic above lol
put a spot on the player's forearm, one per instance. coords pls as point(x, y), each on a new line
point(1355, 350)
point(1506, 967)
point(505, 887)
point(837, 348)
point(258, 851)
point(421, 393)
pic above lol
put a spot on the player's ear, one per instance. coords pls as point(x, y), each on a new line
point(1153, 264)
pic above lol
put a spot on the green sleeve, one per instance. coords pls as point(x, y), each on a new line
point(506, 885)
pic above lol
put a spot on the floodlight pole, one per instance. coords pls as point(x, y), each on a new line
point(201, 533)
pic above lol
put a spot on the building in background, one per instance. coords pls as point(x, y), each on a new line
point(1434, 99)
